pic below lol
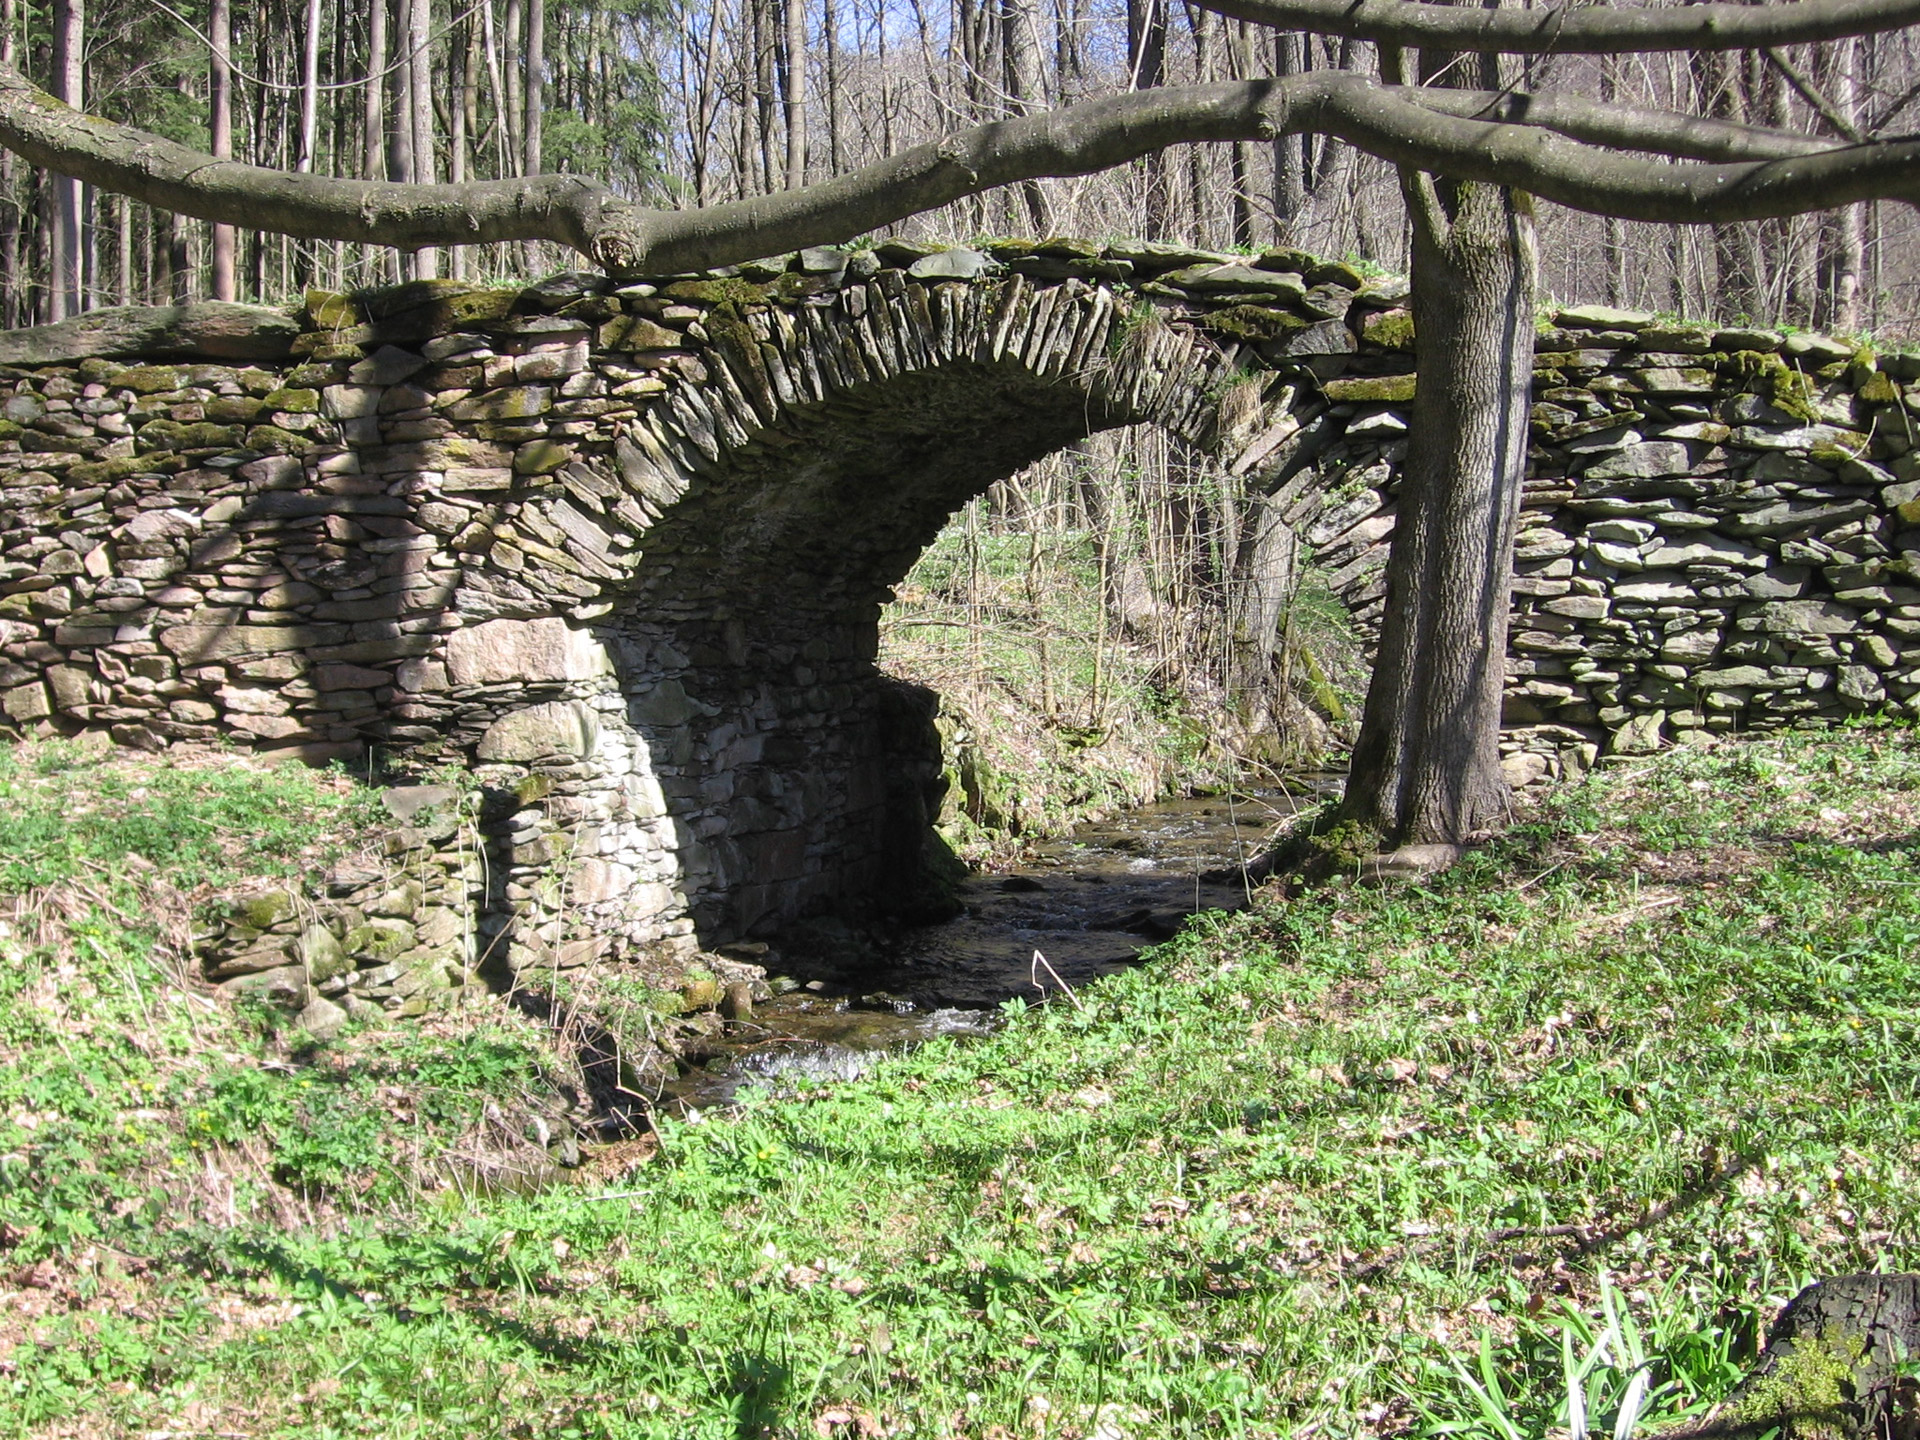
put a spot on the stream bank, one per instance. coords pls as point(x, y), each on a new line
point(1068, 911)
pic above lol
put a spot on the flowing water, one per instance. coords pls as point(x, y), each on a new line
point(1071, 911)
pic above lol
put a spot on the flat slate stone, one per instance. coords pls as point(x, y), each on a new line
point(956, 264)
point(1603, 317)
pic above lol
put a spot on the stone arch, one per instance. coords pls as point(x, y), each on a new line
point(718, 729)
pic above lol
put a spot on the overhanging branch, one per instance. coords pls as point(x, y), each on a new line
point(1563, 150)
point(1583, 30)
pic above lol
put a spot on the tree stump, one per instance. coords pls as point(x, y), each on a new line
point(1841, 1363)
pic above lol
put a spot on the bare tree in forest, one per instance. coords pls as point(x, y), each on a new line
point(65, 284)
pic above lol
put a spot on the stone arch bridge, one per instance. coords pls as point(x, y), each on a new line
point(623, 551)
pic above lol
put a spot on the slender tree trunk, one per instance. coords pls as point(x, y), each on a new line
point(426, 260)
point(64, 296)
point(220, 124)
point(535, 162)
point(123, 270)
point(1020, 51)
point(516, 88)
point(1290, 152)
point(309, 90)
point(373, 123)
point(765, 53)
point(1147, 68)
point(795, 100)
point(10, 212)
point(1426, 765)
point(1845, 233)
point(830, 23)
point(460, 117)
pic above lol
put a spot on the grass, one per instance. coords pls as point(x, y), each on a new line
point(1537, 1147)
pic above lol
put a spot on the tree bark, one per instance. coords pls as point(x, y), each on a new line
point(64, 296)
point(1020, 52)
point(1426, 764)
point(515, 25)
point(795, 99)
point(426, 259)
point(535, 162)
point(220, 127)
point(309, 89)
point(1147, 70)
point(1578, 30)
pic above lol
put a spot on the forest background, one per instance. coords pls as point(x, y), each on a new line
point(1104, 591)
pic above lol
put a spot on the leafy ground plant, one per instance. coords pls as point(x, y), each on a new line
point(1533, 1148)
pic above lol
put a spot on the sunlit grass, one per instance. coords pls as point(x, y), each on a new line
point(1545, 1140)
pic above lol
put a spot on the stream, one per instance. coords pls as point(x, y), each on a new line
point(1089, 903)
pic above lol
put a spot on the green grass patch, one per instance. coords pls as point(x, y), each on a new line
point(1535, 1147)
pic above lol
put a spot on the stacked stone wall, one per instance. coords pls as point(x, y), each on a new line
point(621, 552)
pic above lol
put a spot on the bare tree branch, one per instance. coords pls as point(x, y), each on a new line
point(1506, 139)
point(1624, 127)
point(1812, 94)
point(1585, 30)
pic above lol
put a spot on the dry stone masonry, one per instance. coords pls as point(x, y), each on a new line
point(619, 554)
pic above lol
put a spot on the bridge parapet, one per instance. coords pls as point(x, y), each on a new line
point(622, 552)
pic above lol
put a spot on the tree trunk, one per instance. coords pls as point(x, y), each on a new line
point(795, 99)
point(309, 90)
point(10, 213)
point(220, 126)
point(1147, 70)
point(830, 23)
point(1426, 765)
point(460, 55)
point(1020, 57)
point(1289, 151)
point(1846, 239)
point(1265, 573)
point(63, 249)
point(1868, 1325)
point(426, 260)
point(535, 162)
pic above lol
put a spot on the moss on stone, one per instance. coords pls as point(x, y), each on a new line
point(636, 332)
point(1787, 387)
point(1252, 323)
point(272, 440)
point(294, 401)
point(327, 310)
point(1389, 329)
point(108, 472)
point(234, 409)
point(541, 457)
point(1834, 456)
point(1335, 272)
point(1877, 389)
point(730, 290)
point(1371, 389)
point(150, 379)
point(1806, 1391)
